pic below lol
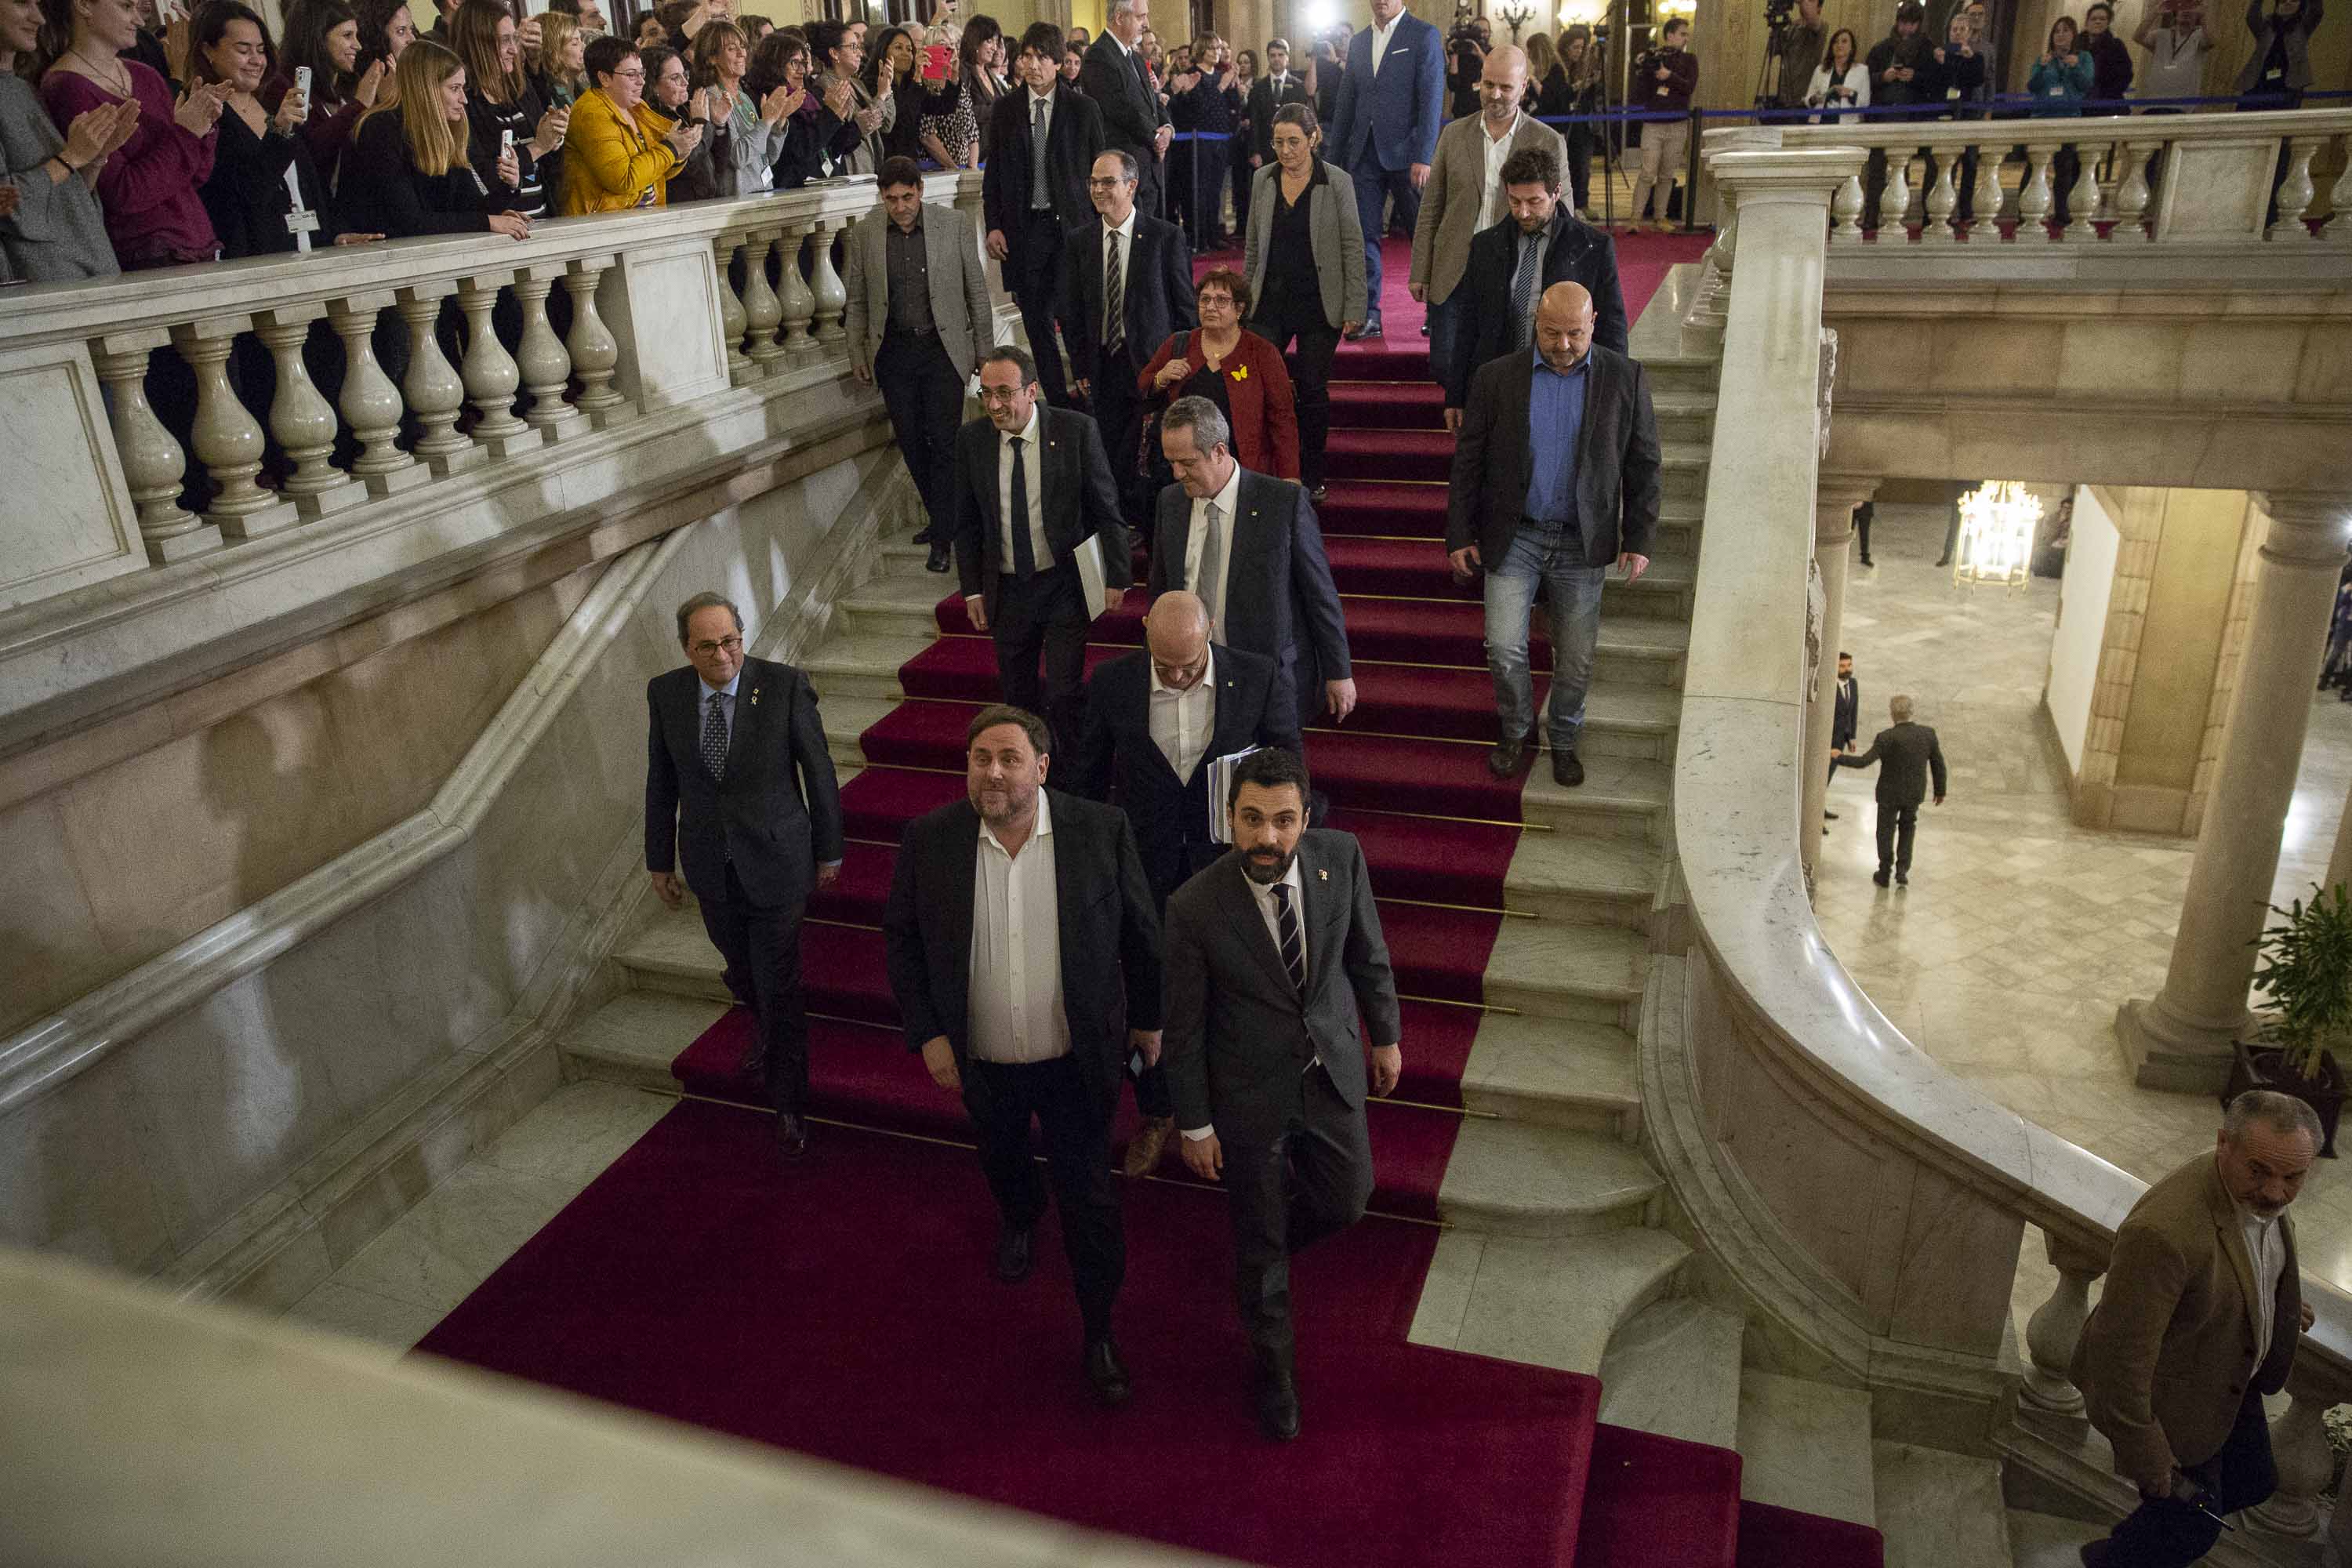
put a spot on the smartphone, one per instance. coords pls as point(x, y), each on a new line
point(506, 141)
point(935, 62)
point(302, 86)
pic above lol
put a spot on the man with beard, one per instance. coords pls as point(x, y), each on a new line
point(1272, 953)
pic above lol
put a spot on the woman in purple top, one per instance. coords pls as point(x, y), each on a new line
point(324, 35)
point(153, 215)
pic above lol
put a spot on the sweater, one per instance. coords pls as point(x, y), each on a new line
point(57, 233)
point(148, 189)
point(382, 190)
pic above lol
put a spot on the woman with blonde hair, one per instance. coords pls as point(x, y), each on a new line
point(557, 76)
point(1543, 59)
point(408, 170)
point(500, 103)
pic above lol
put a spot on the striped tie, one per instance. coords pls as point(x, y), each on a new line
point(1294, 952)
point(714, 737)
point(1114, 301)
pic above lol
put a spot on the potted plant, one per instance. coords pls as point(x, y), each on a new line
point(2304, 968)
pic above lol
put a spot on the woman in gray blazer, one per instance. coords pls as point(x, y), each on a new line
point(1304, 265)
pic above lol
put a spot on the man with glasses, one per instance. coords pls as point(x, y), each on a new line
point(740, 787)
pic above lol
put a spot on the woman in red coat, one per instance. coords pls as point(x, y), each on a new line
point(1239, 371)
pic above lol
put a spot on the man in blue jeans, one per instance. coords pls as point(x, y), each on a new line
point(1556, 478)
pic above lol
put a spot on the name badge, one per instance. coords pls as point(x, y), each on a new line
point(301, 221)
point(1951, 95)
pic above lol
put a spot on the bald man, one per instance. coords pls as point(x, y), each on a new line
point(1464, 192)
point(1155, 720)
point(1554, 481)
point(1539, 242)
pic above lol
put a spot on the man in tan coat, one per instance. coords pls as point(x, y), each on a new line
point(2198, 1320)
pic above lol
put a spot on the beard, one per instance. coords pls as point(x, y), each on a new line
point(1267, 872)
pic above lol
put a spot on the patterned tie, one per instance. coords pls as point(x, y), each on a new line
point(1114, 300)
point(1024, 555)
point(1294, 952)
point(1209, 583)
point(1523, 292)
point(714, 736)
point(1039, 196)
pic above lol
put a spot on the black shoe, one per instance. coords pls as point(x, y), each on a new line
point(1566, 769)
point(936, 561)
point(791, 1135)
point(1829, 816)
point(1322, 493)
point(1879, 877)
point(1509, 755)
point(1106, 1374)
point(1371, 329)
point(1947, 561)
point(2095, 1552)
point(1902, 878)
point(754, 1062)
point(925, 537)
point(1425, 329)
point(1012, 1259)
point(1868, 562)
point(1278, 1408)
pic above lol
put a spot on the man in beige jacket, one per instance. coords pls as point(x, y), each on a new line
point(2198, 1320)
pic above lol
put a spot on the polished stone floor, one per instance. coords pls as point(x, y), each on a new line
point(2019, 934)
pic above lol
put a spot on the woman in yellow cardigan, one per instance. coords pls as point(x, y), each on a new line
point(620, 151)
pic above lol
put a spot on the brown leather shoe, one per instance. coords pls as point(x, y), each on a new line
point(1148, 1144)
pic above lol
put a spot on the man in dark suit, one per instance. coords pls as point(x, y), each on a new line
point(1249, 545)
point(1556, 475)
point(1032, 491)
point(1024, 955)
point(1277, 86)
point(1513, 262)
point(1906, 752)
point(1126, 288)
point(1273, 954)
point(739, 786)
point(1155, 721)
point(1845, 718)
point(1034, 189)
point(1114, 79)
point(1384, 127)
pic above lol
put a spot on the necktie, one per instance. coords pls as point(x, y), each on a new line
point(1040, 198)
point(1285, 924)
point(714, 736)
point(1208, 583)
point(1114, 299)
point(1523, 292)
point(1024, 555)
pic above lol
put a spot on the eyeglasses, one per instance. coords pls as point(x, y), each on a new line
point(1222, 302)
point(636, 75)
point(724, 644)
point(1100, 184)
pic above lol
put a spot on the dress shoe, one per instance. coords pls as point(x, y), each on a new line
point(1567, 770)
point(1879, 877)
point(1322, 493)
point(1012, 1259)
point(936, 561)
point(2094, 1554)
point(1106, 1374)
point(924, 537)
point(1425, 329)
point(791, 1135)
point(1902, 878)
point(1829, 816)
point(1278, 1408)
point(755, 1060)
point(1509, 755)
point(1371, 329)
point(1143, 1152)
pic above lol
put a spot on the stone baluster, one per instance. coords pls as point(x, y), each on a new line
point(227, 438)
point(1942, 203)
point(1895, 201)
point(1988, 196)
point(593, 352)
point(831, 299)
point(546, 367)
point(153, 467)
point(431, 388)
point(1724, 250)
point(1914, 204)
point(2339, 229)
point(2299, 1448)
point(369, 403)
point(490, 373)
point(2082, 200)
point(303, 420)
point(798, 303)
point(762, 307)
point(2295, 194)
point(1845, 208)
point(2132, 196)
point(732, 322)
point(2033, 196)
point(2056, 1327)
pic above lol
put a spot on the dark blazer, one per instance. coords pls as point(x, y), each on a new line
point(1845, 723)
point(1104, 907)
point(1578, 253)
point(1118, 762)
point(1391, 120)
point(1617, 460)
point(1158, 300)
point(1074, 139)
point(1238, 1031)
point(1080, 500)
point(778, 813)
point(381, 190)
point(1906, 753)
point(1112, 80)
point(1279, 593)
point(1263, 103)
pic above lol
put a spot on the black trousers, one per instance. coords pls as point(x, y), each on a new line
point(1044, 615)
point(1579, 168)
point(762, 945)
point(924, 397)
point(1117, 409)
point(1312, 1180)
point(1152, 1095)
point(1310, 373)
point(1897, 824)
point(1237, 153)
point(1003, 1097)
point(2172, 1534)
point(1032, 269)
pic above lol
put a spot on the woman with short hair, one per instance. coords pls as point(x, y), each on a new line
point(819, 132)
point(1303, 272)
point(954, 138)
point(622, 149)
point(1234, 368)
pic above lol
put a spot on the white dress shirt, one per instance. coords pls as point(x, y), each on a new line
point(1498, 152)
point(1183, 721)
point(1263, 893)
point(1381, 37)
point(1196, 539)
point(1033, 477)
point(2266, 1247)
point(1016, 1013)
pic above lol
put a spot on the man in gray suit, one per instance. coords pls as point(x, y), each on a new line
point(1270, 957)
point(1905, 754)
point(919, 321)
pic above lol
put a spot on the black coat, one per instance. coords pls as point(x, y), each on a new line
point(1074, 139)
point(1080, 501)
point(1578, 253)
point(381, 190)
point(1158, 303)
point(1278, 592)
point(1905, 754)
point(246, 194)
point(1112, 80)
point(1263, 103)
point(776, 815)
point(1617, 460)
point(1845, 721)
point(810, 138)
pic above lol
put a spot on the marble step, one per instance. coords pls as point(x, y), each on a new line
point(1621, 797)
point(844, 720)
point(1686, 372)
point(863, 664)
point(1806, 1445)
point(2045, 1540)
point(1553, 1302)
point(634, 1038)
point(1555, 1072)
point(1938, 1509)
point(1550, 969)
point(1685, 416)
point(1510, 1178)
point(1673, 1369)
point(897, 603)
point(1581, 880)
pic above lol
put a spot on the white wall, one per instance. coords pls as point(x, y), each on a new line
point(2081, 623)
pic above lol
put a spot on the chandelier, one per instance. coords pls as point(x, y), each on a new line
point(1997, 524)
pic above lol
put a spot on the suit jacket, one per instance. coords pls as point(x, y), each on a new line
point(1278, 591)
point(1334, 229)
point(1237, 1032)
point(961, 308)
point(1263, 103)
point(1390, 121)
point(1578, 253)
point(1905, 754)
point(1156, 303)
point(1617, 460)
point(775, 815)
point(2166, 1357)
point(1074, 140)
point(1080, 501)
point(1262, 405)
point(1453, 202)
point(1102, 905)
point(1118, 762)
point(1111, 78)
point(1845, 723)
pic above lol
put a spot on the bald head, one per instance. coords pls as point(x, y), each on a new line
point(1564, 325)
point(1502, 86)
point(1177, 632)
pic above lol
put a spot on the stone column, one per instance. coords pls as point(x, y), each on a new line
point(1834, 504)
point(2180, 1038)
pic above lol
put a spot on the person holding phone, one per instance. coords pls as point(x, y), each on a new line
point(148, 188)
point(892, 71)
point(323, 39)
point(1840, 81)
point(260, 166)
point(2060, 81)
point(2173, 33)
point(562, 58)
point(409, 170)
point(501, 109)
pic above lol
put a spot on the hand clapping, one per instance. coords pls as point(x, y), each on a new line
point(200, 110)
